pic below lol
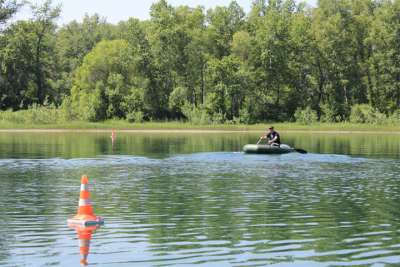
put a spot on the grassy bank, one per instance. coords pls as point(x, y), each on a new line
point(52, 118)
point(124, 125)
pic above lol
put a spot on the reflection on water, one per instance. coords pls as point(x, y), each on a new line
point(84, 235)
point(84, 145)
point(168, 206)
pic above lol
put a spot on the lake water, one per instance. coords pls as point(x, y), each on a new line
point(196, 200)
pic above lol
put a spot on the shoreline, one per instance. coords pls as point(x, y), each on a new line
point(198, 131)
point(176, 127)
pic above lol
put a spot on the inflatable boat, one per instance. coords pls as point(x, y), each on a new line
point(267, 149)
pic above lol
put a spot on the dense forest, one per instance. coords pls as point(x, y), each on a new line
point(337, 61)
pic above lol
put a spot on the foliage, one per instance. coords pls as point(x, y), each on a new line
point(74, 41)
point(341, 59)
point(7, 10)
point(306, 116)
point(241, 45)
point(227, 87)
point(366, 114)
point(177, 99)
point(245, 116)
point(28, 67)
point(101, 87)
point(329, 113)
point(394, 119)
point(135, 116)
point(133, 102)
point(66, 110)
point(34, 114)
point(196, 115)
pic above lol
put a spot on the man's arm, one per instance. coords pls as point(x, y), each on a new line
point(273, 139)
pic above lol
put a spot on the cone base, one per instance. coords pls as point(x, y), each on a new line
point(86, 221)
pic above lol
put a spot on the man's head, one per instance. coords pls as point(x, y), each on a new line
point(271, 129)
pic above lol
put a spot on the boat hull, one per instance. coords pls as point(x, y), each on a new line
point(267, 149)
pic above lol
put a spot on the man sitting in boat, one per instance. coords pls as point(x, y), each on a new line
point(273, 137)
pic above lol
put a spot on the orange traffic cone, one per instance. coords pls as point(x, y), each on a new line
point(85, 214)
point(85, 236)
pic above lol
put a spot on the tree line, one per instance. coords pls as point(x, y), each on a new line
point(282, 60)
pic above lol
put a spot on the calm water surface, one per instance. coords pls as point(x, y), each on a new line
point(195, 199)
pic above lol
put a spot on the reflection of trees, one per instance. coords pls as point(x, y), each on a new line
point(378, 145)
point(72, 145)
point(75, 145)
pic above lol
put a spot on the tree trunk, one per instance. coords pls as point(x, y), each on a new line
point(202, 82)
point(38, 67)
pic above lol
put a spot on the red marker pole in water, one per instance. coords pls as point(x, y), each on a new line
point(113, 137)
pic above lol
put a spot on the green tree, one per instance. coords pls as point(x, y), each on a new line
point(7, 10)
point(17, 79)
point(226, 87)
point(241, 45)
point(74, 41)
point(384, 40)
point(44, 27)
point(104, 80)
point(224, 22)
point(340, 28)
point(271, 57)
point(28, 65)
point(212, 65)
point(177, 54)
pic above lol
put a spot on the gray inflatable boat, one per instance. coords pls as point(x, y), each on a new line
point(267, 149)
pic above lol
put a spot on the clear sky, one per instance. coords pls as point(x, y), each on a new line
point(117, 10)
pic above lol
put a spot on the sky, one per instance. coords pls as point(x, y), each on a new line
point(117, 10)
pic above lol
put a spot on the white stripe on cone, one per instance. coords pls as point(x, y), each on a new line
point(84, 202)
point(84, 187)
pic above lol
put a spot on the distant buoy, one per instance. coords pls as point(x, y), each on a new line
point(85, 215)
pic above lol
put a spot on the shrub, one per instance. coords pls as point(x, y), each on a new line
point(329, 113)
point(395, 118)
point(67, 113)
point(244, 116)
point(133, 105)
point(236, 120)
point(137, 117)
point(92, 107)
point(9, 116)
point(177, 99)
point(218, 118)
point(360, 113)
point(33, 115)
point(363, 113)
point(306, 116)
point(196, 115)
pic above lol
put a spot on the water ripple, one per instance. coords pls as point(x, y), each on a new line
point(205, 209)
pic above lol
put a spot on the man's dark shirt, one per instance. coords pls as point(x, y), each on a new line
point(272, 135)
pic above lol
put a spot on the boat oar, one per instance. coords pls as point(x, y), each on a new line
point(259, 140)
point(301, 151)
